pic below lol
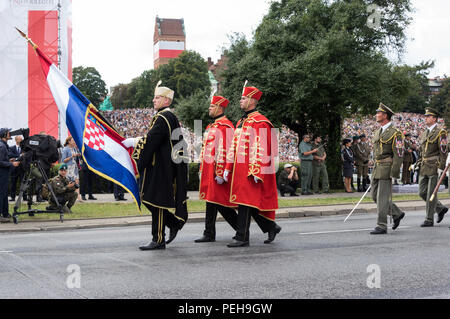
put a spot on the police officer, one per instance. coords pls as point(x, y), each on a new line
point(433, 154)
point(407, 160)
point(319, 167)
point(64, 190)
point(306, 152)
point(5, 168)
point(388, 157)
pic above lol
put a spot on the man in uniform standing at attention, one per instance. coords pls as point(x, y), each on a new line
point(306, 153)
point(433, 155)
point(251, 171)
point(388, 157)
point(407, 160)
point(362, 153)
point(319, 167)
point(213, 189)
point(163, 170)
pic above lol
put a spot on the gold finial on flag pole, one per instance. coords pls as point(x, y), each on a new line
point(27, 38)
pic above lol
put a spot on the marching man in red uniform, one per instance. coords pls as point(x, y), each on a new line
point(251, 171)
point(213, 190)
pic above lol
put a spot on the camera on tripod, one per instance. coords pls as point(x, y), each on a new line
point(39, 152)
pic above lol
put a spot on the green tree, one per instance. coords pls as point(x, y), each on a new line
point(192, 108)
point(186, 74)
point(441, 101)
point(410, 85)
point(319, 61)
point(89, 81)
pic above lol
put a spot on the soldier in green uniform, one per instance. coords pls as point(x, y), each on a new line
point(360, 157)
point(64, 191)
point(306, 157)
point(407, 160)
point(433, 154)
point(319, 166)
point(388, 157)
point(363, 170)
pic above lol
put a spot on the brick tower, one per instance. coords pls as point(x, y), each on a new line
point(169, 40)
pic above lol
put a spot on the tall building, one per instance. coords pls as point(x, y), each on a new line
point(169, 40)
point(25, 97)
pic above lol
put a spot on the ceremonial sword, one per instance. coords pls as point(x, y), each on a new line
point(358, 203)
point(436, 189)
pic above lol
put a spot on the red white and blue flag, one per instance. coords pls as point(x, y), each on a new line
point(100, 144)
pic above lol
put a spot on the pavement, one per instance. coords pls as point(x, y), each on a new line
point(312, 257)
point(291, 212)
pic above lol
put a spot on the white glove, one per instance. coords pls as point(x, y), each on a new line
point(199, 175)
point(219, 180)
point(440, 171)
point(448, 160)
point(130, 142)
point(412, 167)
point(256, 179)
point(225, 175)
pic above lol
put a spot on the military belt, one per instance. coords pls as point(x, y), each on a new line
point(431, 158)
point(385, 160)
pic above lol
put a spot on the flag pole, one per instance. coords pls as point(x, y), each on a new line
point(28, 39)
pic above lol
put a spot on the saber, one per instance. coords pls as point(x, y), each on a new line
point(358, 203)
point(441, 179)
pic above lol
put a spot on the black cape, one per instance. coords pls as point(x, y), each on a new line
point(163, 167)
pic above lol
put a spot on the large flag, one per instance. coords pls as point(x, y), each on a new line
point(100, 144)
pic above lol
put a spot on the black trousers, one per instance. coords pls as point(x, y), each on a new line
point(16, 175)
point(119, 193)
point(86, 181)
point(4, 181)
point(290, 188)
point(160, 219)
point(243, 222)
point(229, 214)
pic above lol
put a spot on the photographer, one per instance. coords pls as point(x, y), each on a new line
point(288, 180)
point(64, 190)
point(5, 169)
point(71, 157)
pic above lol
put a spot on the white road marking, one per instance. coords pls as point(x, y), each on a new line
point(343, 231)
point(5, 252)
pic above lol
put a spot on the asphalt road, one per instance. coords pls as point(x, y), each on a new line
point(311, 258)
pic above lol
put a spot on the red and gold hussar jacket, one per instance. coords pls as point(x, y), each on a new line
point(217, 138)
point(252, 154)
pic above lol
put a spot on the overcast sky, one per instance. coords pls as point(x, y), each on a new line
point(116, 37)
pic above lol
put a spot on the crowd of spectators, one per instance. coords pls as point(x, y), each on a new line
point(135, 122)
point(407, 122)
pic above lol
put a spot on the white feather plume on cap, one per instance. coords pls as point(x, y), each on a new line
point(163, 91)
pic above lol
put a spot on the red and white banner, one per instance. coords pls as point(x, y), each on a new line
point(25, 98)
point(168, 49)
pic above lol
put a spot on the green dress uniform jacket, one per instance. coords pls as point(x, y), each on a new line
point(388, 153)
point(433, 147)
point(433, 150)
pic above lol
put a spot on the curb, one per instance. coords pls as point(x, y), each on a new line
point(293, 212)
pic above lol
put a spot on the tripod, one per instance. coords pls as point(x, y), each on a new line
point(27, 181)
